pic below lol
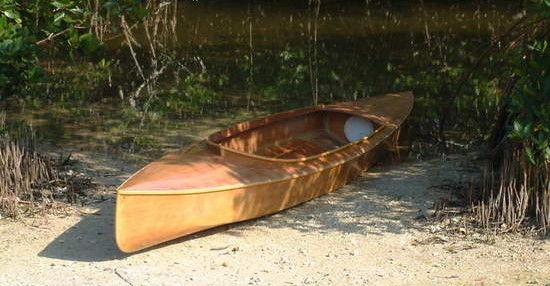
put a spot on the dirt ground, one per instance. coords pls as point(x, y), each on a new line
point(369, 232)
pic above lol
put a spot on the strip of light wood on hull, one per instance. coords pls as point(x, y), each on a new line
point(146, 220)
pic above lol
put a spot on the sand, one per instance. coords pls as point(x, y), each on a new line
point(370, 232)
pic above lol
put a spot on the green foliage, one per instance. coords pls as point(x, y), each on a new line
point(131, 9)
point(191, 95)
point(61, 24)
point(531, 103)
point(541, 7)
point(17, 54)
point(71, 84)
point(292, 80)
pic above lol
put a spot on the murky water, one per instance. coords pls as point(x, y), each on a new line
point(249, 58)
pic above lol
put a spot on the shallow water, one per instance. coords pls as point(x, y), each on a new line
point(265, 56)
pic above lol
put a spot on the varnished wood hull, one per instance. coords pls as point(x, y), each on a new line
point(166, 217)
point(146, 218)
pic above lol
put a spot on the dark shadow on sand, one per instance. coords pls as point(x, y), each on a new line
point(92, 239)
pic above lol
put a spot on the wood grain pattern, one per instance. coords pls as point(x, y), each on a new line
point(252, 169)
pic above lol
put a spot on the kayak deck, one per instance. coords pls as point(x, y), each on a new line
point(270, 149)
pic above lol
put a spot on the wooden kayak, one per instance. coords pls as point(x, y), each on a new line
point(255, 168)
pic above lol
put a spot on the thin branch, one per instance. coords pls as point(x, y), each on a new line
point(51, 36)
point(127, 35)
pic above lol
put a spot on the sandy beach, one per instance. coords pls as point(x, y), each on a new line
point(371, 232)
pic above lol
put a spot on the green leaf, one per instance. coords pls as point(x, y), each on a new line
point(60, 4)
point(530, 155)
point(517, 127)
point(88, 43)
point(140, 12)
point(58, 17)
point(14, 15)
point(109, 5)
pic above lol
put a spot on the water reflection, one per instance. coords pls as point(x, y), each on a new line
point(267, 56)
